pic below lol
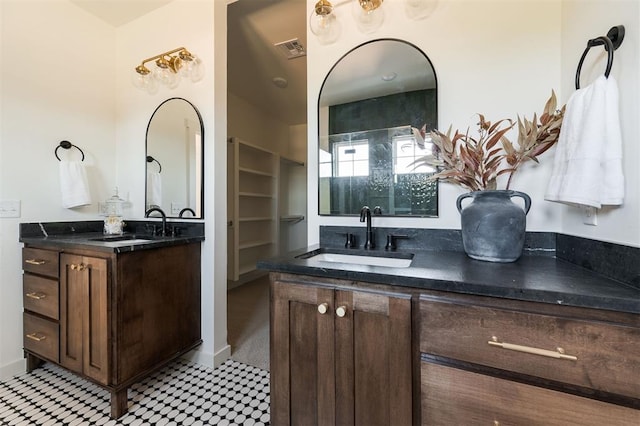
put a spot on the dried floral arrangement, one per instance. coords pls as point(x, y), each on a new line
point(475, 162)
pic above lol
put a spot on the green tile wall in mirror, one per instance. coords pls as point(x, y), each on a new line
point(174, 160)
point(376, 108)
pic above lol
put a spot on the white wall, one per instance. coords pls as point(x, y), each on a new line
point(579, 24)
point(499, 58)
point(56, 79)
point(190, 24)
point(502, 58)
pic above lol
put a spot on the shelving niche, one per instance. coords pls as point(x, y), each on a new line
point(254, 206)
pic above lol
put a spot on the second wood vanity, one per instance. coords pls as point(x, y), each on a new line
point(351, 344)
point(110, 315)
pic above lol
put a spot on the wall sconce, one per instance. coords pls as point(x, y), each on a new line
point(169, 68)
point(368, 14)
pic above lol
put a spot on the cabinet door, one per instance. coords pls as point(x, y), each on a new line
point(302, 355)
point(83, 316)
point(373, 358)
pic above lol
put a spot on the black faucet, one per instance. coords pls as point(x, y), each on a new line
point(164, 218)
point(365, 214)
point(187, 209)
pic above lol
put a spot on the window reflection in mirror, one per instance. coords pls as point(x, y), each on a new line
point(174, 160)
point(376, 108)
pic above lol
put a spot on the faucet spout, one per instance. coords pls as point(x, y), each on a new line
point(164, 218)
point(365, 215)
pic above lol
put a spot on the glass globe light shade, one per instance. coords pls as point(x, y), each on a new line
point(367, 19)
point(326, 27)
point(195, 69)
point(419, 9)
point(144, 82)
point(165, 76)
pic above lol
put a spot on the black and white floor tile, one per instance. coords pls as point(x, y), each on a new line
point(182, 393)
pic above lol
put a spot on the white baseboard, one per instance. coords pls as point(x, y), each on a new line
point(207, 358)
point(13, 369)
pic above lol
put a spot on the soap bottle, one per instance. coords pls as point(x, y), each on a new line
point(113, 223)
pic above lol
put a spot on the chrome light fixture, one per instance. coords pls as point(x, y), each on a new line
point(169, 68)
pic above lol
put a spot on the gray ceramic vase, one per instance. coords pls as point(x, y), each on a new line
point(493, 226)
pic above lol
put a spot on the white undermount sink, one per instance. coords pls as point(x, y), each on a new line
point(354, 259)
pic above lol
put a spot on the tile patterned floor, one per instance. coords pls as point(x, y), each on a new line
point(182, 393)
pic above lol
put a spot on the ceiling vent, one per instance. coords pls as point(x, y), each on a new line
point(291, 49)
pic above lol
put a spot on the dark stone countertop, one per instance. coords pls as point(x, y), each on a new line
point(543, 279)
point(88, 235)
point(88, 241)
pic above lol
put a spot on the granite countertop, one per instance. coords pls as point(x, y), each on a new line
point(90, 241)
point(532, 278)
point(88, 235)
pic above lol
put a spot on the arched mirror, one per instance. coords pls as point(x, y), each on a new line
point(376, 108)
point(174, 160)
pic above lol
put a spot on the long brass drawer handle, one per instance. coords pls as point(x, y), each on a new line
point(558, 354)
point(35, 295)
point(35, 261)
point(36, 336)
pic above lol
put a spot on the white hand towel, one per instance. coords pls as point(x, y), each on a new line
point(74, 186)
point(154, 189)
point(587, 166)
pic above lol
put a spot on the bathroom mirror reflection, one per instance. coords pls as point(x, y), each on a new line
point(174, 160)
point(376, 108)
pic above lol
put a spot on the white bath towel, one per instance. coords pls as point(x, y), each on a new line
point(587, 168)
point(74, 186)
point(154, 189)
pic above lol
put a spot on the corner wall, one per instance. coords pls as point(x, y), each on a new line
point(55, 85)
point(582, 21)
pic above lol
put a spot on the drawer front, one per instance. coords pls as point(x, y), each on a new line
point(456, 397)
point(40, 295)
point(591, 354)
point(41, 336)
point(42, 262)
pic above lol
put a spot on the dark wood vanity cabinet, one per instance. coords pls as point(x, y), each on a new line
point(357, 353)
point(112, 318)
point(339, 355)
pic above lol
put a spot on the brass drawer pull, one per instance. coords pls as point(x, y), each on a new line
point(80, 267)
point(35, 295)
point(36, 336)
point(558, 354)
point(35, 261)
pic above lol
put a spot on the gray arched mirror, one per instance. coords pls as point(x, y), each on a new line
point(174, 160)
point(376, 108)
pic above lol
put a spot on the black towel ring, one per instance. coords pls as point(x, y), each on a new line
point(150, 159)
point(611, 42)
point(67, 145)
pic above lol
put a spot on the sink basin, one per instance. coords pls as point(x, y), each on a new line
point(355, 259)
point(121, 239)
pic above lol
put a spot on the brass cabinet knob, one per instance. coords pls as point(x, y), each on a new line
point(341, 311)
point(323, 308)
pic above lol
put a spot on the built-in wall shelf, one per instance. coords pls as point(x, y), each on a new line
point(251, 244)
point(292, 218)
point(261, 208)
point(255, 219)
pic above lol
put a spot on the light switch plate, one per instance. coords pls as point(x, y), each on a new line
point(9, 208)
